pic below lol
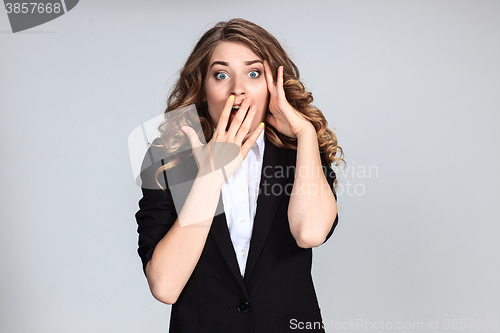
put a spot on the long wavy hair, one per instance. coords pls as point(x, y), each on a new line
point(189, 89)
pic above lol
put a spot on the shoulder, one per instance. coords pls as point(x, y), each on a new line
point(292, 161)
point(158, 166)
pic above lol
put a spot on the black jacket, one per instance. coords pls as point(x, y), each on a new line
point(276, 294)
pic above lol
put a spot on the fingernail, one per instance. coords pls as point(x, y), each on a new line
point(231, 98)
point(184, 129)
point(261, 125)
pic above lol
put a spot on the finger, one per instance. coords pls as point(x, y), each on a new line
point(224, 117)
point(269, 78)
point(251, 140)
point(245, 127)
point(240, 115)
point(192, 136)
point(279, 83)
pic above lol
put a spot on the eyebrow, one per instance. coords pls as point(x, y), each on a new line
point(224, 63)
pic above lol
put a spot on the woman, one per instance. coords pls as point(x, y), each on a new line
point(249, 269)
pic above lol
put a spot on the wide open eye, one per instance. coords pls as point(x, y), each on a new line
point(221, 76)
point(254, 74)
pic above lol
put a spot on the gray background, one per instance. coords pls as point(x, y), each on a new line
point(412, 88)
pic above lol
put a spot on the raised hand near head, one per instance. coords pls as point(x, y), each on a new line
point(283, 116)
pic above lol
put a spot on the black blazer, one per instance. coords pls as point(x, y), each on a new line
point(276, 294)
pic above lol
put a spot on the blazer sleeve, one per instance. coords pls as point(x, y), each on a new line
point(156, 213)
point(330, 178)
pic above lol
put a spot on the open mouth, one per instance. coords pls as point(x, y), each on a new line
point(235, 109)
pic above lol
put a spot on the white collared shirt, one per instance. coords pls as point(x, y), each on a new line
point(239, 196)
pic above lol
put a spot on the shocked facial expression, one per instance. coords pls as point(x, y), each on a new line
point(234, 69)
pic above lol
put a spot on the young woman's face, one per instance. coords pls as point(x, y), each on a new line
point(234, 69)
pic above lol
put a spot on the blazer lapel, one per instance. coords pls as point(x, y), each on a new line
point(220, 233)
point(267, 202)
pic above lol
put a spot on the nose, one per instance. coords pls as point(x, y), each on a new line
point(238, 87)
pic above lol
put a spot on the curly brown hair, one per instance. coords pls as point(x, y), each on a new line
point(189, 89)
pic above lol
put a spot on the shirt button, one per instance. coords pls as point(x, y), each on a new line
point(241, 188)
point(243, 253)
point(243, 221)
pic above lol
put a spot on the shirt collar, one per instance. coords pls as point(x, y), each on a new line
point(260, 144)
